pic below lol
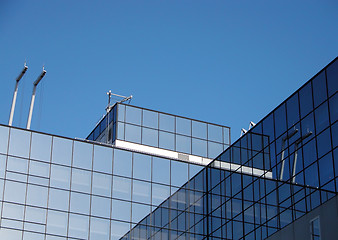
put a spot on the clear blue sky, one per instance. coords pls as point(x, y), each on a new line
point(227, 62)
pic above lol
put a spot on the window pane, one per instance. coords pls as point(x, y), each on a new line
point(292, 110)
point(103, 159)
point(179, 173)
point(99, 228)
point(183, 126)
point(332, 76)
point(39, 169)
point(121, 210)
point(102, 184)
point(167, 122)
point(120, 131)
point(58, 199)
point(319, 89)
point(57, 223)
point(122, 163)
point(78, 226)
point(161, 170)
point(322, 117)
point(62, 151)
point(4, 132)
point(280, 120)
point(17, 165)
point(13, 211)
point(141, 192)
point(159, 193)
point(199, 147)
point(132, 133)
point(15, 192)
point(81, 180)
point(79, 203)
point(150, 119)
point(214, 149)
point(166, 140)
point(226, 135)
point(82, 155)
point(334, 108)
point(215, 133)
point(100, 207)
point(150, 137)
point(37, 196)
point(121, 112)
point(133, 115)
point(36, 215)
point(121, 188)
point(41, 147)
point(305, 99)
point(118, 229)
point(19, 143)
point(199, 129)
point(142, 166)
point(183, 144)
point(60, 177)
point(139, 211)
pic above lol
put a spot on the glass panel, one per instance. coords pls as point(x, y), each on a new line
point(78, 226)
point(199, 129)
point(79, 203)
point(183, 144)
point(15, 192)
point(120, 131)
point(103, 159)
point(167, 140)
point(280, 120)
point(161, 170)
point(305, 99)
point(39, 169)
point(121, 112)
point(17, 165)
point(167, 122)
point(2, 166)
point(159, 193)
point(37, 196)
point(332, 76)
point(139, 211)
point(334, 108)
point(214, 149)
point(81, 180)
point(121, 188)
point(102, 184)
point(183, 126)
point(319, 89)
point(292, 110)
point(99, 228)
point(58, 199)
point(33, 236)
point(60, 177)
point(142, 167)
point(118, 229)
point(199, 147)
point(133, 115)
point(57, 223)
point(4, 132)
point(179, 173)
point(122, 163)
point(215, 133)
point(132, 133)
point(226, 135)
point(141, 192)
point(322, 117)
point(194, 169)
point(36, 215)
point(150, 119)
point(121, 210)
point(41, 147)
point(13, 211)
point(323, 143)
point(19, 143)
point(100, 207)
point(150, 137)
point(62, 151)
point(82, 155)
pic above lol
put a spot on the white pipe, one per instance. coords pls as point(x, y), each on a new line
point(11, 115)
point(35, 84)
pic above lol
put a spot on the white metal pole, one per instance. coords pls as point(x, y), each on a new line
point(35, 84)
point(11, 115)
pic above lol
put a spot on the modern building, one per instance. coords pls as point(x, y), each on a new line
point(143, 174)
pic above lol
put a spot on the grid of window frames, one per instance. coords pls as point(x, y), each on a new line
point(55, 188)
point(297, 142)
point(152, 128)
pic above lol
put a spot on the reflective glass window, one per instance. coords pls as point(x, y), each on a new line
point(19, 142)
point(62, 151)
point(214, 149)
point(36, 215)
point(100, 207)
point(58, 199)
point(150, 137)
point(183, 144)
point(121, 210)
point(10, 234)
point(179, 173)
point(118, 229)
point(324, 143)
point(122, 163)
point(305, 99)
point(78, 226)
point(121, 188)
point(17, 164)
point(81, 180)
point(166, 140)
point(194, 169)
point(79, 203)
point(41, 147)
point(150, 119)
point(99, 228)
point(319, 89)
point(322, 117)
point(60, 177)
point(161, 170)
point(311, 175)
point(332, 76)
point(139, 211)
point(39, 169)
point(132, 133)
point(4, 132)
point(141, 191)
point(199, 147)
point(215, 133)
point(315, 229)
point(159, 193)
point(334, 108)
point(82, 156)
point(308, 126)
point(133, 115)
point(37, 196)
point(326, 173)
point(57, 223)
point(120, 131)
point(33, 236)
point(199, 129)
point(226, 135)
point(13, 211)
point(2, 166)
point(280, 120)
point(103, 159)
point(183, 126)
point(142, 167)
point(167, 122)
point(15, 192)
point(121, 111)
point(334, 135)
point(102, 184)
point(292, 110)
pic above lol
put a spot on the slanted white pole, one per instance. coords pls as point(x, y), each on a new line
point(35, 84)
point(11, 115)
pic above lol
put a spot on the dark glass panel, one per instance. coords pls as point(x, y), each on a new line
point(150, 119)
point(268, 129)
point(280, 120)
point(332, 77)
point(133, 115)
point(333, 102)
point(167, 122)
point(305, 99)
point(308, 126)
point(325, 169)
point(324, 142)
point(292, 110)
point(121, 109)
point(311, 175)
point(309, 153)
point(183, 126)
point(199, 129)
point(334, 133)
point(319, 89)
point(321, 117)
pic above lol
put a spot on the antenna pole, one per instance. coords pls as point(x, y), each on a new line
point(11, 115)
point(35, 84)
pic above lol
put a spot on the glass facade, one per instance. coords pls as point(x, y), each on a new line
point(162, 130)
point(296, 142)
